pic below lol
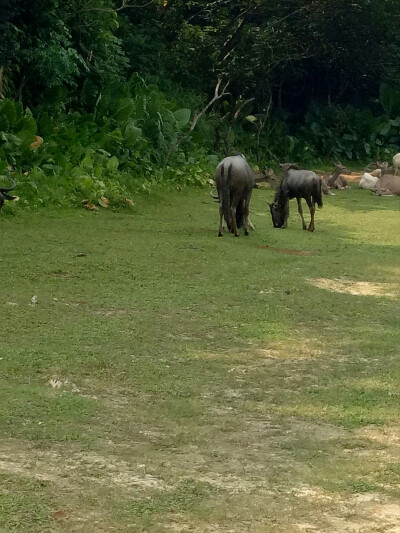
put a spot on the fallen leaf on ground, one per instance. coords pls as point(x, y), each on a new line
point(91, 207)
point(37, 142)
point(104, 202)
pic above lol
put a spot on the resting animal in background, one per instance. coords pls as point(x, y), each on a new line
point(268, 176)
point(235, 183)
point(4, 196)
point(396, 163)
point(296, 184)
point(334, 180)
point(387, 185)
point(368, 181)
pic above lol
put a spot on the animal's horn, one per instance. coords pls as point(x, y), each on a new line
point(213, 196)
point(4, 189)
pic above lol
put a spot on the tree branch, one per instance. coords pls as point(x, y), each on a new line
point(217, 96)
point(125, 5)
point(234, 119)
point(261, 125)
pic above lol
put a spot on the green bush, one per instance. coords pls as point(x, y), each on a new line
point(128, 142)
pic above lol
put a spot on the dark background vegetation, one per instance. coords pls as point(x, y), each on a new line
point(113, 87)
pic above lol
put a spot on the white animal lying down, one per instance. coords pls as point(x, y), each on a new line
point(367, 181)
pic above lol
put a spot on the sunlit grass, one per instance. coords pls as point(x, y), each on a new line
point(168, 376)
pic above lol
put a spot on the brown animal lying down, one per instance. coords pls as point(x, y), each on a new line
point(334, 180)
point(387, 185)
point(266, 175)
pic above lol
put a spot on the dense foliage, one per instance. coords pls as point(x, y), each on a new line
point(100, 97)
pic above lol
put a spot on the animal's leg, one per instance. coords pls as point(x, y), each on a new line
point(246, 218)
point(221, 216)
point(234, 226)
point(311, 207)
point(385, 192)
point(286, 215)
point(301, 212)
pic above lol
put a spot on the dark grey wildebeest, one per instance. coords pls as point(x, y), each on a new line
point(296, 184)
point(4, 196)
point(235, 183)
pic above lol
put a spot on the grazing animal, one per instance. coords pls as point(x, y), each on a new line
point(296, 184)
point(368, 181)
point(235, 183)
point(4, 196)
point(396, 163)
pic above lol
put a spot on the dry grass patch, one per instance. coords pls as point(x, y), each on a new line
point(356, 288)
point(69, 469)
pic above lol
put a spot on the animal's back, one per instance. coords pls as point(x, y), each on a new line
point(300, 176)
point(299, 181)
point(240, 177)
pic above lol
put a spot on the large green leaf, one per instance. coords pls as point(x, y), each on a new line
point(132, 132)
point(8, 115)
point(113, 164)
point(182, 117)
point(124, 109)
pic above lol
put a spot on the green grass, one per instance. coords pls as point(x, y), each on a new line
point(169, 379)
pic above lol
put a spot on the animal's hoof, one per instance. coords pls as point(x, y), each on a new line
point(310, 229)
point(236, 235)
point(246, 233)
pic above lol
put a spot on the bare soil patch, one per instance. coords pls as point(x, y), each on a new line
point(354, 177)
point(64, 470)
point(356, 288)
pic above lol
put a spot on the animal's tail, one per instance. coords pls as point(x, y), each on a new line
point(225, 199)
point(318, 193)
point(239, 215)
point(239, 208)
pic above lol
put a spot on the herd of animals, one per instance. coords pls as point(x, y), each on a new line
point(235, 181)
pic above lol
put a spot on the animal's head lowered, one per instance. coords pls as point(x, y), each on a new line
point(278, 213)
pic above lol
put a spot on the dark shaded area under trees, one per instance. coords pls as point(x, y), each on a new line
point(307, 80)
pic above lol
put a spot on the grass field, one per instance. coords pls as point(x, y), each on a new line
point(168, 380)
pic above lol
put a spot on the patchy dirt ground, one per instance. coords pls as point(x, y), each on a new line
point(252, 455)
point(170, 381)
point(356, 288)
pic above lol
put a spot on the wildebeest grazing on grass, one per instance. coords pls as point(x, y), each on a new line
point(3, 193)
point(235, 183)
point(296, 184)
